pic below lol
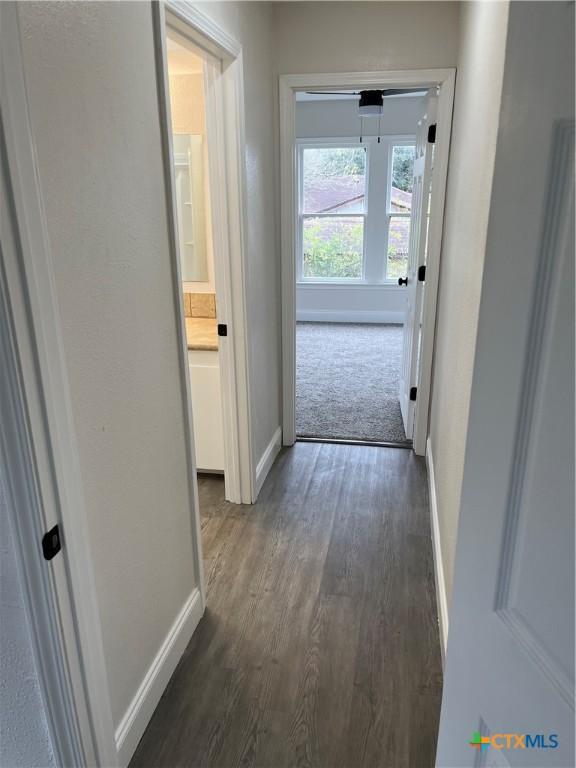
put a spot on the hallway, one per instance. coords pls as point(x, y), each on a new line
point(319, 646)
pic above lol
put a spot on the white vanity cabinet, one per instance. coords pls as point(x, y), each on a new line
point(206, 409)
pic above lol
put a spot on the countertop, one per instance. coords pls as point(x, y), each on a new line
point(202, 333)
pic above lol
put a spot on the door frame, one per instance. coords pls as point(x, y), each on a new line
point(225, 120)
point(289, 85)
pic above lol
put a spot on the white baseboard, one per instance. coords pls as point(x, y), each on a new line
point(138, 714)
point(441, 596)
point(267, 459)
point(349, 316)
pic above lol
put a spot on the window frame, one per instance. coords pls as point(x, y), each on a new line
point(390, 214)
point(392, 144)
point(334, 143)
point(374, 259)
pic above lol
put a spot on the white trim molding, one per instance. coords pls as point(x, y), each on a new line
point(177, 293)
point(267, 459)
point(133, 724)
point(207, 34)
point(223, 82)
point(441, 594)
point(289, 85)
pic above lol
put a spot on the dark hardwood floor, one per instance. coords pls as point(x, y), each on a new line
point(319, 645)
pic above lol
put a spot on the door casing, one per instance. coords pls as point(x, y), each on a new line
point(223, 86)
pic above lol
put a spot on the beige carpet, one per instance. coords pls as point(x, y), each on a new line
point(347, 381)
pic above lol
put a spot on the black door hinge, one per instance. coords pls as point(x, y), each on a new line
point(413, 391)
point(422, 273)
point(222, 329)
point(51, 543)
point(432, 134)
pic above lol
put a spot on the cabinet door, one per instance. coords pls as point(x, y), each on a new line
point(207, 410)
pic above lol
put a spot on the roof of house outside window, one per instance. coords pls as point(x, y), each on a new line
point(346, 194)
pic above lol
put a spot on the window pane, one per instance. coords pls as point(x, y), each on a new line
point(334, 179)
point(402, 178)
point(332, 247)
point(398, 241)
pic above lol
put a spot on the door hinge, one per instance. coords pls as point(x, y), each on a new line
point(422, 273)
point(432, 134)
point(413, 392)
point(222, 329)
point(51, 543)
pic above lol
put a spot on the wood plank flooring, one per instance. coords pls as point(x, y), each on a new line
point(320, 645)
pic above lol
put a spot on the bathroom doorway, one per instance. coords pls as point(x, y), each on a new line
point(201, 138)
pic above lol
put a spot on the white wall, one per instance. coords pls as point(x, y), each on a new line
point(327, 119)
point(350, 303)
point(250, 23)
point(92, 92)
point(518, 540)
point(361, 36)
point(475, 125)
point(340, 303)
point(24, 737)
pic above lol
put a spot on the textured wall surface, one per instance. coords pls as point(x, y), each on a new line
point(24, 737)
point(92, 91)
point(187, 103)
point(250, 23)
point(363, 36)
point(478, 92)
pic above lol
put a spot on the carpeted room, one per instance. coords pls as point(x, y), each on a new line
point(355, 201)
point(347, 378)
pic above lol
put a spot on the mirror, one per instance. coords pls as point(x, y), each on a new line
point(191, 206)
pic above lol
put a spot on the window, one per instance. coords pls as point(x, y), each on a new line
point(354, 209)
point(399, 209)
point(332, 212)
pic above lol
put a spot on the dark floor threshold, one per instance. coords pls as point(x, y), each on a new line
point(344, 441)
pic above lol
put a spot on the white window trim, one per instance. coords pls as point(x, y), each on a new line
point(374, 258)
point(404, 142)
point(335, 143)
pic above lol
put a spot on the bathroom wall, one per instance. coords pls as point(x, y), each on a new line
point(187, 102)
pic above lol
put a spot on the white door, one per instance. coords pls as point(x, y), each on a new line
point(416, 258)
point(509, 677)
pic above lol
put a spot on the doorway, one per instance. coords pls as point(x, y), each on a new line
point(201, 77)
point(360, 259)
point(353, 234)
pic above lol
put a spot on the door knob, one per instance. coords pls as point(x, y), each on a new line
point(402, 281)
